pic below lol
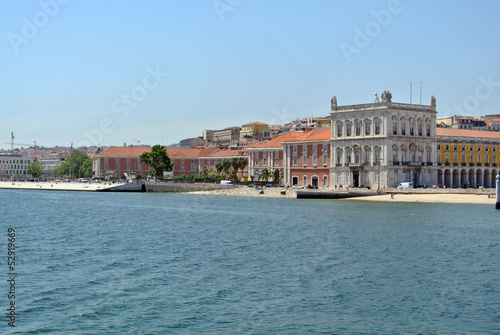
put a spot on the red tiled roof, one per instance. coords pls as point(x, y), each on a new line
point(226, 153)
point(278, 141)
point(172, 152)
point(452, 132)
point(319, 134)
point(124, 151)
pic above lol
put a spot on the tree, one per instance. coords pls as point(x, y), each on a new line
point(73, 163)
point(265, 175)
point(35, 169)
point(158, 159)
point(85, 169)
point(277, 176)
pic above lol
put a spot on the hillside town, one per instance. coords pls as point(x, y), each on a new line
point(377, 145)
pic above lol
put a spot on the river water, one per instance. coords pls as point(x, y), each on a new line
point(143, 263)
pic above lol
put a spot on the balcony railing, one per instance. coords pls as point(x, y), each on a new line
point(486, 164)
point(463, 164)
point(395, 163)
point(429, 163)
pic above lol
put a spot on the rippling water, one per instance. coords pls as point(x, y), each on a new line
point(117, 263)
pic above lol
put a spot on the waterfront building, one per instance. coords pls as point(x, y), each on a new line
point(116, 161)
point(382, 144)
point(14, 166)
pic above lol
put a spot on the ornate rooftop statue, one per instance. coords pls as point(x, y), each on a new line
point(334, 103)
point(432, 102)
point(386, 96)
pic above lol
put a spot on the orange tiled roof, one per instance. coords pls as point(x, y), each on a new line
point(467, 133)
point(172, 152)
point(278, 141)
point(226, 153)
point(319, 134)
point(124, 151)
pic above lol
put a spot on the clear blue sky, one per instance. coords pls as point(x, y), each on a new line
point(80, 71)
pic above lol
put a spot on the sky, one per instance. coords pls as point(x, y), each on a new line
point(156, 72)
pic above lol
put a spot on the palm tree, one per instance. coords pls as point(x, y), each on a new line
point(219, 167)
point(243, 162)
point(265, 175)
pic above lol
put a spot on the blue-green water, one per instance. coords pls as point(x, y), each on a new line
point(117, 263)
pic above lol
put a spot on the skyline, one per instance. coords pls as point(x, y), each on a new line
point(159, 72)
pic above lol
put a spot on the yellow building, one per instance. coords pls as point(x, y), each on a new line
point(254, 129)
point(467, 157)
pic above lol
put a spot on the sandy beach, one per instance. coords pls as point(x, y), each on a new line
point(439, 195)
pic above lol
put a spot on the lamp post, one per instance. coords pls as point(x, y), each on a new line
point(497, 206)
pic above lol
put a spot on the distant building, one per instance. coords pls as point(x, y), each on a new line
point(208, 135)
point(254, 130)
point(192, 142)
point(226, 136)
point(14, 166)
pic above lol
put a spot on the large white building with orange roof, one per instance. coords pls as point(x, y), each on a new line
point(382, 144)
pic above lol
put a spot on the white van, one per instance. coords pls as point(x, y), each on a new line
point(405, 185)
point(226, 182)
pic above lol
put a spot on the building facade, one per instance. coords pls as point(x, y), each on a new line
point(14, 166)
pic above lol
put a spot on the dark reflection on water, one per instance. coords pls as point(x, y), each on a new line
point(114, 263)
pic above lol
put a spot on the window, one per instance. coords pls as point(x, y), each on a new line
point(377, 127)
point(264, 158)
point(257, 158)
point(339, 130)
point(128, 163)
point(428, 130)
point(304, 155)
point(367, 156)
point(395, 128)
point(349, 156)
point(377, 156)
point(455, 158)
point(377, 177)
point(367, 129)
point(404, 156)
point(325, 181)
point(339, 178)
point(276, 158)
point(182, 164)
point(304, 181)
point(412, 126)
point(367, 178)
point(315, 158)
point(358, 129)
point(348, 130)
point(356, 156)
point(325, 154)
point(403, 128)
point(420, 130)
point(339, 157)
point(295, 159)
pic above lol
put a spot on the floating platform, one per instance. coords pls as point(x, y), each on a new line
point(313, 194)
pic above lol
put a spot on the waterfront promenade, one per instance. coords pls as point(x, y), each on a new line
point(52, 186)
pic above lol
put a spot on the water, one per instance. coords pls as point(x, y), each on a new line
point(111, 263)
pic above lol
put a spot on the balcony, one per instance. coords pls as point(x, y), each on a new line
point(463, 164)
point(429, 163)
point(471, 164)
point(479, 164)
point(455, 164)
point(486, 164)
point(338, 164)
point(346, 164)
point(395, 163)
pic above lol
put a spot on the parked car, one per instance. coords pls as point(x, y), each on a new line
point(66, 180)
point(57, 181)
point(252, 185)
point(269, 185)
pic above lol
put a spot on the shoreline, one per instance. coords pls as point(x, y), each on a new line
point(427, 196)
point(416, 196)
point(51, 186)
